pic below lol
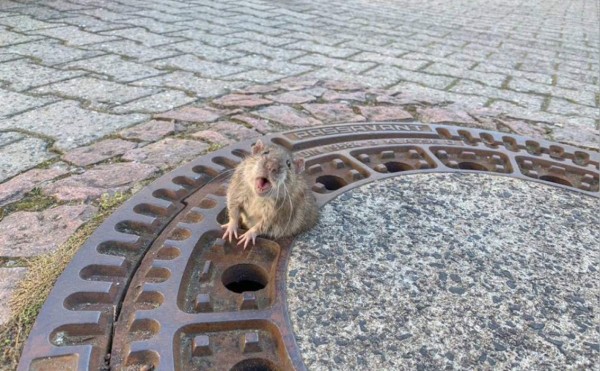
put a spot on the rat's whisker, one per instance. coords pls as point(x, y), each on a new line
point(277, 198)
point(291, 207)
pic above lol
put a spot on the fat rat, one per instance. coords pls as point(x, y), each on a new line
point(269, 196)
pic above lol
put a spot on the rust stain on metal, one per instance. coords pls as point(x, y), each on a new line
point(155, 287)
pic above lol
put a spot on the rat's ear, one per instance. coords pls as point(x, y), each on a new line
point(258, 147)
point(299, 163)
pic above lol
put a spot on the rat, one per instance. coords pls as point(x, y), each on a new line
point(268, 195)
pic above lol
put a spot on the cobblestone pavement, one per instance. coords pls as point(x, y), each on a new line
point(75, 71)
point(89, 90)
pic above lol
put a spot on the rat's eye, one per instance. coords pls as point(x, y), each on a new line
point(265, 152)
point(288, 163)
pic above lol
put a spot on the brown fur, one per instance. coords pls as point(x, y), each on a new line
point(287, 209)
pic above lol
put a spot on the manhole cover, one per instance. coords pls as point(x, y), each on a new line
point(156, 288)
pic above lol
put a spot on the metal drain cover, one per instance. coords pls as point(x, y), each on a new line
point(156, 288)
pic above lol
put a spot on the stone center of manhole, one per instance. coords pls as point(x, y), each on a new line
point(428, 271)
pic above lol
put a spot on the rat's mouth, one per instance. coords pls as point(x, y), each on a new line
point(263, 185)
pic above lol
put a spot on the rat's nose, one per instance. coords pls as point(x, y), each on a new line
point(272, 167)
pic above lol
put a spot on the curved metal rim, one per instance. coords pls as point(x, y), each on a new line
point(84, 304)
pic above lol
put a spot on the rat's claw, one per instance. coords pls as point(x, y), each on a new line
point(230, 232)
point(245, 239)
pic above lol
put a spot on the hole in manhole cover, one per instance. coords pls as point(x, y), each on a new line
point(394, 167)
point(255, 364)
point(155, 287)
point(556, 179)
point(466, 165)
point(331, 182)
point(244, 277)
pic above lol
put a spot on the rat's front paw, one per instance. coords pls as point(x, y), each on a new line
point(231, 230)
point(250, 235)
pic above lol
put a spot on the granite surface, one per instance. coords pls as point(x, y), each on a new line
point(449, 271)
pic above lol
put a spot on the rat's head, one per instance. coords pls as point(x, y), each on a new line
point(275, 170)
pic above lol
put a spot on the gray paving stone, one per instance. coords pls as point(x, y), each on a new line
point(588, 77)
point(408, 64)
point(336, 75)
point(341, 64)
point(115, 67)
point(39, 12)
point(6, 57)
point(152, 25)
point(162, 16)
point(22, 74)
point(204, 51)
point(576, 132)
point(201, 27)
point(280, 67)
point(419, 92)
point(15, 102)
point(66, 6)
point(10, 38)
point(191, 83)
point(268, 51)
point(128, 7)
point(159, 102)
point(530, 101)
point(69, 124)
point(395, 74)
point(21, 153)
point(262, 14)
point(194, 64)
point(49, 52)
point(95, 91)
point(539, 78)
point(256, 76)
point(455, 60)
point(564, 107)
point(73, 35)
point(88, 23)
point(7, 138)
point(141, 35)
point(133, 50)
point(104, 14)
point(260, 38)
point(491, 79)
point(300, 34)
point(249, 26)
point(330, 51)
point(23, 23)
point(570, 83)
point(7, 5)
point(580, 96)
point(209, 38)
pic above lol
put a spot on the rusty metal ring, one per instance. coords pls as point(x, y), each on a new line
point(156, 287)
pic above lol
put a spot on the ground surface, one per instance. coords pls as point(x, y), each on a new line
point(84, 86)
point(75, 71)
point(458, 271)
